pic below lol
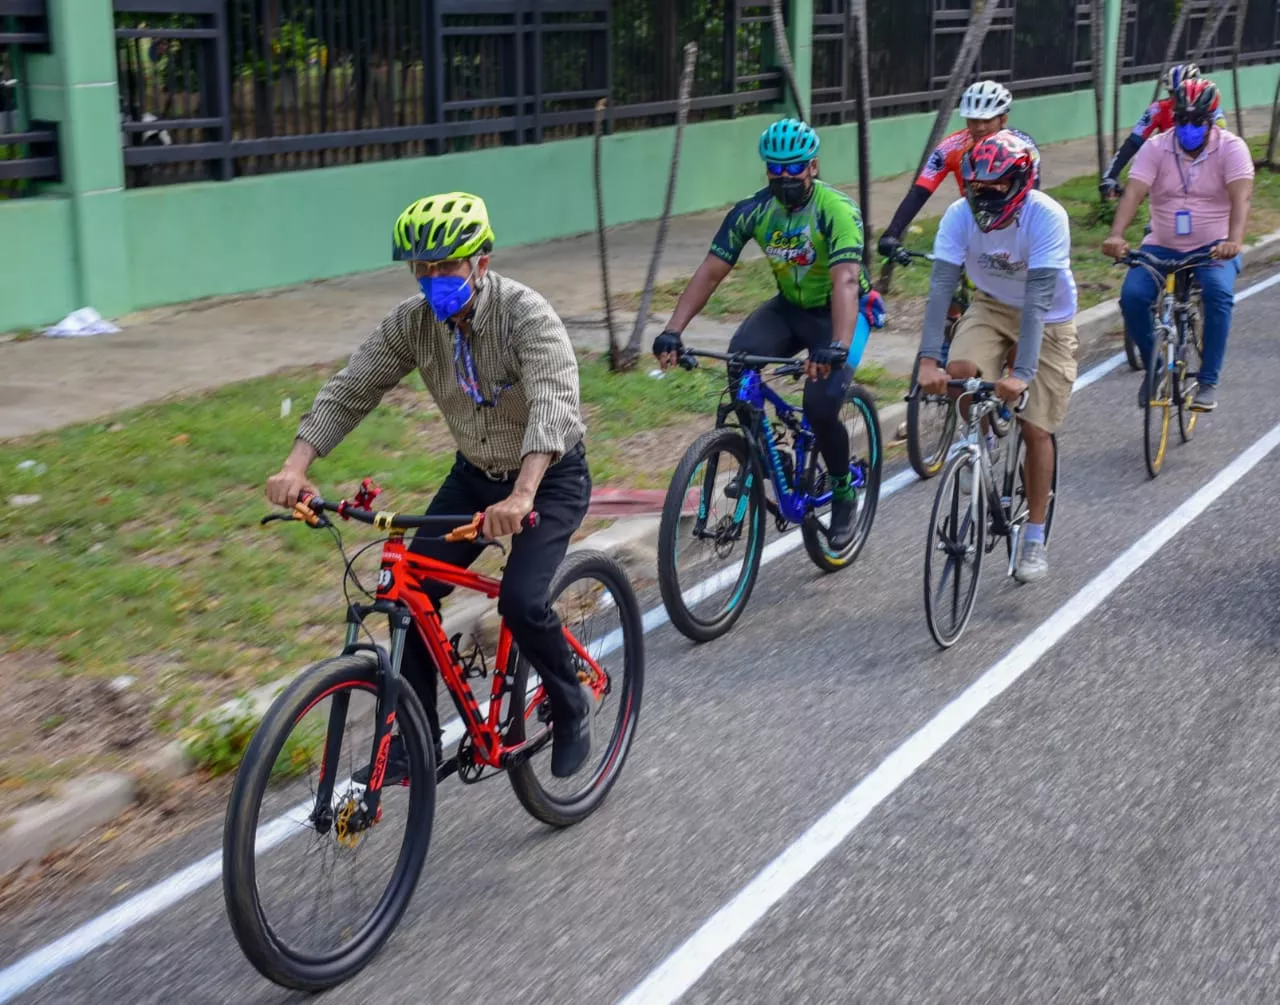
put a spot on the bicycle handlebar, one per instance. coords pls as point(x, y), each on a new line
point(311, 508)
point(786, 364)
point(981, 389)
point(902, 256)
point(1162, 267)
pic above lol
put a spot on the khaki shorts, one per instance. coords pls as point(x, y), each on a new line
point(986, 333)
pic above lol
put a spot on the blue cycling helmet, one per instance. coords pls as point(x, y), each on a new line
point(788, 141)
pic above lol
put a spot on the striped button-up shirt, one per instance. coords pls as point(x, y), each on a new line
point(515, 338)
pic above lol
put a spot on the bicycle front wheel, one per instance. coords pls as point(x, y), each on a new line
point(711, 535)
point(275, 875)
point(1159, 394)
point(597, 607)
point(953, 553)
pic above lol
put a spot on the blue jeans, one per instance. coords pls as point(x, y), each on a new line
point(1217, 291)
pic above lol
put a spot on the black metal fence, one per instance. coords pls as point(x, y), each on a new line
point(223, 88)
point(1151, 23)
point(28, 150)
point(1033, 46)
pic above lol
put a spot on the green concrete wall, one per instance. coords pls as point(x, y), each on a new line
point(89, 242)
point(274, 230)
point(37, 262)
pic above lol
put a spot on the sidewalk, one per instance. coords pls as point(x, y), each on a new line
point(46, 383)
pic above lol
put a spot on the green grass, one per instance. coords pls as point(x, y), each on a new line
point(143, 554)
point(1097, 278)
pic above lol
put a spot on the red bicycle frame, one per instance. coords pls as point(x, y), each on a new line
point(400, 580)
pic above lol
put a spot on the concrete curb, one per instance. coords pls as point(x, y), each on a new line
point(89, 801)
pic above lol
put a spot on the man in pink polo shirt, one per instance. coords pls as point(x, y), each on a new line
point(1201, 179)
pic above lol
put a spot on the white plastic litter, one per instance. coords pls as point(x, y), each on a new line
point(286, 406)
point(81, 323)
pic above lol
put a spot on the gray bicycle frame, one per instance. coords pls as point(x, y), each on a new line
point(974, 443)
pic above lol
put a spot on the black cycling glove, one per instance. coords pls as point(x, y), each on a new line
point(835, 356)
point(668, 341)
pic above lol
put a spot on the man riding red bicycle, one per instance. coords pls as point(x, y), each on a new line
point(499, 364)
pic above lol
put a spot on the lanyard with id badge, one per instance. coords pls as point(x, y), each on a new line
point(1182, 217)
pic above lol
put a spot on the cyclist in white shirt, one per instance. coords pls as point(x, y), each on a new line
point(1014, 243)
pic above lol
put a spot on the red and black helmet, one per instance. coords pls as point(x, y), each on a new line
point(998, 173)
point(1195, 101)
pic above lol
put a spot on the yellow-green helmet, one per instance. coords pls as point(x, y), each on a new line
point(440, 227)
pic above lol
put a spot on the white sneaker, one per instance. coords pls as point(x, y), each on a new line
point(1033, 562)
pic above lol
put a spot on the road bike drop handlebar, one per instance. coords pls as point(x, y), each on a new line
point(310, 509)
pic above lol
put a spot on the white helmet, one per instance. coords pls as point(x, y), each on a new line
point(985, 99)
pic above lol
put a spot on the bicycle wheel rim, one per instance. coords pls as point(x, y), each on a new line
point(954, 549)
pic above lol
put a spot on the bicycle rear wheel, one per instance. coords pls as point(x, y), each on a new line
point(861, 419)
point(333, 705)
point(713, 521)
point(954, 550)
point(1189, 372)
point(1131, 353)
point(595, 603)
point(1155, 418)
point(1015, 490)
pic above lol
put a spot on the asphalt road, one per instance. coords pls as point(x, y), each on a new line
point(1099, 830)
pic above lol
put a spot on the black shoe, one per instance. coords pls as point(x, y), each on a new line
point(571, 745)
point(397, 766)
point(844, 517)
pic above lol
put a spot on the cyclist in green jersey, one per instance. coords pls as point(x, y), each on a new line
point(811, 235)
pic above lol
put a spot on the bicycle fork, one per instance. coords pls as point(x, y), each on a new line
point(368, 810)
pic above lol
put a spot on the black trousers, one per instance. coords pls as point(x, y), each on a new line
point(780, 328)
point(533, 557)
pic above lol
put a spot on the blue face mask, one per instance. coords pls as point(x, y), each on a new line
point(1191, 137)
point(446, 294)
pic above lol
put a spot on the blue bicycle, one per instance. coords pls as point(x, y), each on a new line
point(749, 467)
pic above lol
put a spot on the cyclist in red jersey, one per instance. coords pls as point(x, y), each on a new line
point(1158, 118)
point(985, 108)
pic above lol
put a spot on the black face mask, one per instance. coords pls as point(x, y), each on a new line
point(791, 192)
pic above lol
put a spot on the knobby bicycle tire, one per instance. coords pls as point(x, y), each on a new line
point(564, 811)
point(264, 949)
point(692, 626)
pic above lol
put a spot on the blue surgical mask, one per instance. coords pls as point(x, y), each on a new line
point(1190, 137)
point(446, 294)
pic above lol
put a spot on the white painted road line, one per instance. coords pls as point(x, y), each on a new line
point(109, 926)
point(682, 969)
